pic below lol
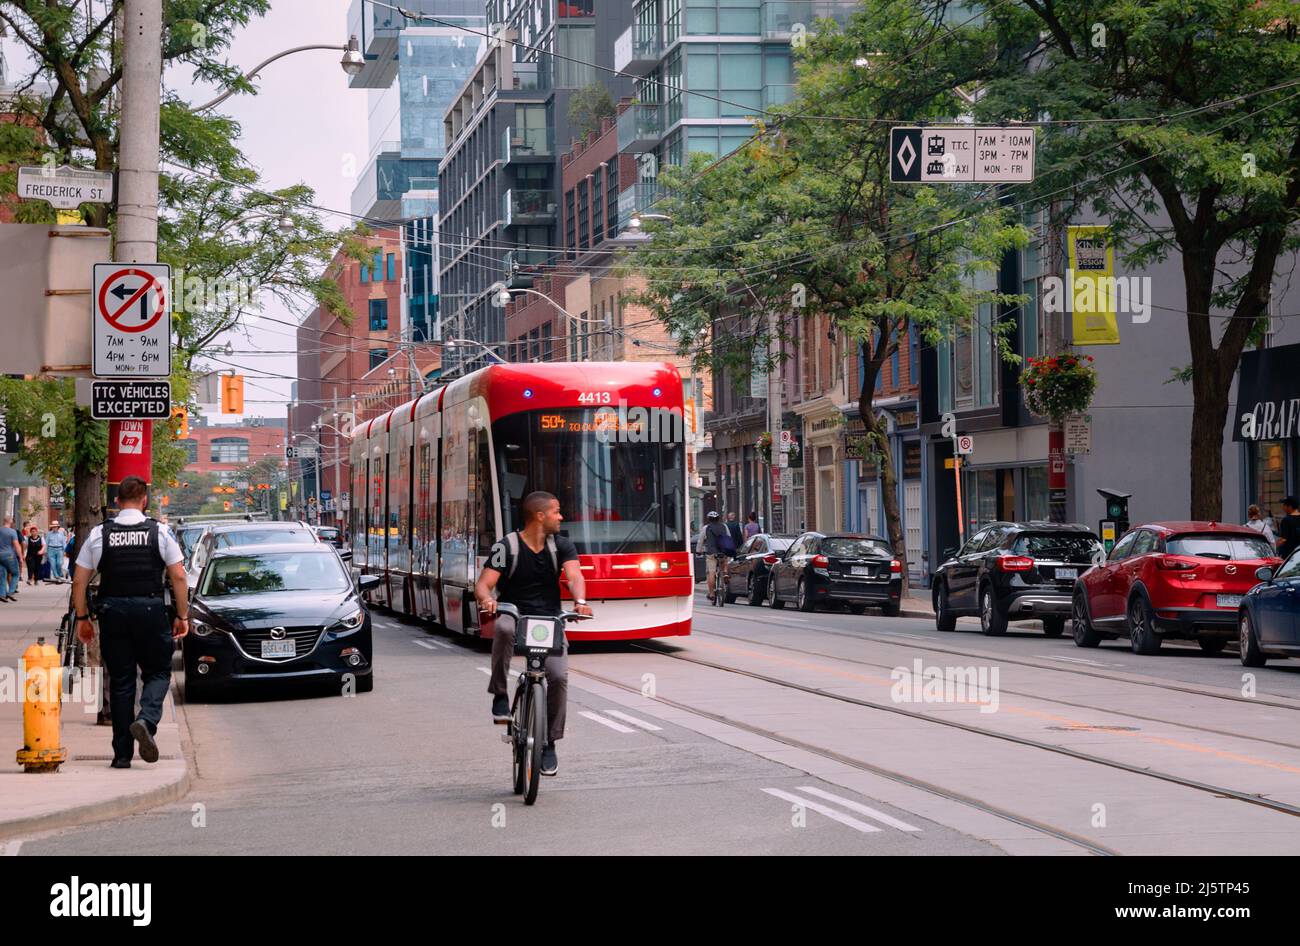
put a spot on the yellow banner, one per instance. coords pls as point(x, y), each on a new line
point(1091, 279)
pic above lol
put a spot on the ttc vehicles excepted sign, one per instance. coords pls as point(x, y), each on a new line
point(989, 153)
point(130, 400)
point(131, 314)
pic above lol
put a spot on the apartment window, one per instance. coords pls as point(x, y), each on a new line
point(229, 450)
point(722, 17)
point(379, 315)
point(379, 265)
point(570, 221)
point(578, 45)
point(731, 71)
point(191, 450)
point(392, 266)
point(914, 353)
point(365, 273)
point(378, 356)
point(584, 220)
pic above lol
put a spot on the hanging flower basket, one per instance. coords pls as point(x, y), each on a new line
point(1059, 386)
point(764, 447)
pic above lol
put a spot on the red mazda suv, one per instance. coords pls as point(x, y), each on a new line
point(1170, 580)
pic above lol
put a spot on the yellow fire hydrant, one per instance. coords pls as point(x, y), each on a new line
point(42, 692)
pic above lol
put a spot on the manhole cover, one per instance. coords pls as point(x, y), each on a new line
point(1093, 728)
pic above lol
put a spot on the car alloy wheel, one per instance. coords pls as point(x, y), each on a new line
point(1141, 630)
point(1251, 655)
point(773, 601)
point(801, 596)
point(944, 619)
point(1084, 634)
point(991, 622)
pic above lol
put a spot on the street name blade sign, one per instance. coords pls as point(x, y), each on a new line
point(972, 153)
point(65, 187)
point(130, 400)
point(131, 313)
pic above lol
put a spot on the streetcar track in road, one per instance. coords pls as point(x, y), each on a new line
point(1080, 671)
point(1219, 791)
point(1034, 696)
point(1061, 834)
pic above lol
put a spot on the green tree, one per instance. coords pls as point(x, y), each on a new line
point(803, 223)
point(588, 107)
point(1177, 141)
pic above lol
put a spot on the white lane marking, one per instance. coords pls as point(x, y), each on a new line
point(427, 645)
point(651, 727)
point(484, 670)
point(10, 848)
point(597, 718)
point(445, 645)
point(914, 637)
point(860, 808)
point(1075, 660)
point(823, 810)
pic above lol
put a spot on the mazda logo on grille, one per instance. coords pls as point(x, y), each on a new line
point(277, 633)
point(1231, 569)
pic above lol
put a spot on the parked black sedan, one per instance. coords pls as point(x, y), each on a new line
point(1268, 621)
point(277, 613)
point(852, 569)
point(1015, 570)
point(747, 573)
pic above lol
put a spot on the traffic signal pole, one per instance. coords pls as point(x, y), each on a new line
point(130, 443)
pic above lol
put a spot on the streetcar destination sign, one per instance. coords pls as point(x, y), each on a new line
point(963, 154)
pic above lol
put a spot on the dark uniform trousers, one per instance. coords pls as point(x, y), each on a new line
point(134, 632)
point(557, 675)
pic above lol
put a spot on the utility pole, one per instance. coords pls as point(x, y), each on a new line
point(137, 188)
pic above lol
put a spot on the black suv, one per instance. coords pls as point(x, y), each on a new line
point(1014, 570)
point(857, 570)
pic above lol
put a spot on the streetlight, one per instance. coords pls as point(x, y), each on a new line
point(637, 218)
point(352, 63)
point(503, 296)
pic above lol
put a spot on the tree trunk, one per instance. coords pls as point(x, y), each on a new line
point(1209, 413)
point(889, 497)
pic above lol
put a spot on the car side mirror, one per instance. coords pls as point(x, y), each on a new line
point(1264, 574)
point(367, 583)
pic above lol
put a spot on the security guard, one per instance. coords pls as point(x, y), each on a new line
point(130, 553)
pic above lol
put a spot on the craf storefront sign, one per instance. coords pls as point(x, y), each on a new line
point(1268, 395)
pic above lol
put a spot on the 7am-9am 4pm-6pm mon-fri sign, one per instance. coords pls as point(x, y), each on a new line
point(131, 318)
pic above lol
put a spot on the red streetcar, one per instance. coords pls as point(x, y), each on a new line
point(438, 480)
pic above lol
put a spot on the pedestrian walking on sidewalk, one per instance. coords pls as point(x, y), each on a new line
point(11, 556)
point(130, 553)
point(35, 552)
point(1255, 520)
point(56, 543)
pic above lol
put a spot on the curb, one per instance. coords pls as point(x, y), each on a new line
point(117, 807)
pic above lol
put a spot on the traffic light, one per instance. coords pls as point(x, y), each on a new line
point(232, 394)
point(183, 428)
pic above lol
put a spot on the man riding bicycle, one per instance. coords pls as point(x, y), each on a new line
point(531, 562)
point(715, 541)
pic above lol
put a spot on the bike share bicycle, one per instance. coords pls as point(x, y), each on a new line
point(536, 638)
point(720, 579)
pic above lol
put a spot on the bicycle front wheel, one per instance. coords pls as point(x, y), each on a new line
point(519, 738)
point(536, 740)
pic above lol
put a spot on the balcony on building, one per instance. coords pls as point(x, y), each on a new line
point(638, 50)
point(639, 128)
point(525, 144)
point(377, 27)
point(533, 79)
point(782, 17)
point(528, 205)
point(636, 199)
point(387, 179)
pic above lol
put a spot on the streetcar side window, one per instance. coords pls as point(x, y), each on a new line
point(483, 496)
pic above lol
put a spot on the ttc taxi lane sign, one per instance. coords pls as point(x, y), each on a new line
point(131, 320)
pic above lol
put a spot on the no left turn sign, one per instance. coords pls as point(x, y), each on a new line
point(132, 320)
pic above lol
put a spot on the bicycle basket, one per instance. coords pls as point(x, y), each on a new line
point(539, 635)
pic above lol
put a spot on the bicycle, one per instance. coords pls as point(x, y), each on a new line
point(536, 637)
point(720, 579)
point(71, 648)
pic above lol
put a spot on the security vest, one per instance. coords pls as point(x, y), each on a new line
point(130, 560)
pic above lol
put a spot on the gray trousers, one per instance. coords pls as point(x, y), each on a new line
point(557, 675)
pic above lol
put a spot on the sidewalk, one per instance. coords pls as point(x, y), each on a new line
point(85, 788)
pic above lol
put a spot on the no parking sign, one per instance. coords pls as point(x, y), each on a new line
point(132, 320)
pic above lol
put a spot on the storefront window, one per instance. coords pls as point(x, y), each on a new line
point(1036, 492)
point(1270, 476)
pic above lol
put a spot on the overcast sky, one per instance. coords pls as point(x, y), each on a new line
point(301, 126)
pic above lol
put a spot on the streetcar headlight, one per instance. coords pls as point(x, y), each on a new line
point(647, 566)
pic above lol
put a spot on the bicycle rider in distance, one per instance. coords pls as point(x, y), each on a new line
point(713, 543)
point(532, 584)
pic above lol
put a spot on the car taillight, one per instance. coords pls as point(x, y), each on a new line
point(770, 559)
point(896, 566)
point(1174, 564)
point(820, 561)
point(1015, 563)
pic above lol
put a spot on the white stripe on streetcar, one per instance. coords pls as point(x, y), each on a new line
point(634, 721)
point(597, 718)
point(831, 813)
point(860, 809)
point(425, 644)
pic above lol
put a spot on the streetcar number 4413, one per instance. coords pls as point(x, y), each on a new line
point(594, 397)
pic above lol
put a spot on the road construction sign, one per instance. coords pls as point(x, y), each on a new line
point(132, 320)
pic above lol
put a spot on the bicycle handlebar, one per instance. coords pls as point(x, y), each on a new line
point(505, 607)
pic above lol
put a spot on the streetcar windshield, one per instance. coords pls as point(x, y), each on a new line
point(620, 478)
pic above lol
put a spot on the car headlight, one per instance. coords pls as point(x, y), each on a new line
point(201, 628)
point(351, 622)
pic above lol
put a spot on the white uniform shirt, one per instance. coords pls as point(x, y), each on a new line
point(89, 553)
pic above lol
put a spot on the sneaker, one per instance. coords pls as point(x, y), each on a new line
point(500, 710)
point(550, 763)
point(121, 764)
point(148, 748)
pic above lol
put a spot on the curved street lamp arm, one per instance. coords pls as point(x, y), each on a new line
point(262, 65)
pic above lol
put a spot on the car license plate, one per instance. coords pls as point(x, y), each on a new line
point(279, 648)
point(1229, 601)
point(1062, 574)
point(860, 570)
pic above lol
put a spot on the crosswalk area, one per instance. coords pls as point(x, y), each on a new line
point(821, 801)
